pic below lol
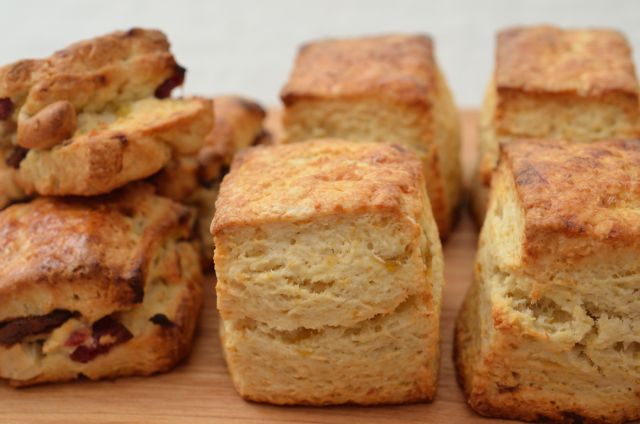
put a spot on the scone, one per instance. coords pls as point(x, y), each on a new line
point(273, 127)
point(384, 88)
point(94, 116)
point(329, 274)
point(103, 287)
point(551, 326)
point(9, 189)
point(195, 179)
point(577, 85)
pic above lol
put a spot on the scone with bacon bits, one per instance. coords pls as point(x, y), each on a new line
point(384, 88)
point(576, 84)
point(95, 116)
point(550, 329)
point(329, 274)
point(103, 287)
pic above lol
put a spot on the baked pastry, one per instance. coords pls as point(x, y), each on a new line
point(99, 287)
point(82, 118)
point(549, 329)
point(238, 125)
point(195, 179)
point(384, 88)
point(9, 189)
point(577, 85)
point(329, 274)
point(273, 128)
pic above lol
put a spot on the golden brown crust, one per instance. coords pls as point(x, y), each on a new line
point(238, 124)
point(332, 177)
point(547, 59)
point(97, 248)
point(580, 191)
point(106, 155)
point(395, 67)
point(90, 74)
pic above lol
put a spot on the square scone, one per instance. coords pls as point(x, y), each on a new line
point(571, 84)
point(381, 88)
point(329, 274)
point(102, 288)
point(550, 329)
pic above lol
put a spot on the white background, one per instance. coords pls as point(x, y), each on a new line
point(248, 46)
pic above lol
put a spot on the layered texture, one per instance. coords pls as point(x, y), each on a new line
point(578, 85)
point(95, 116)
point(329, 274)
point(387, 89)
point(102, 287)
point(550, 328)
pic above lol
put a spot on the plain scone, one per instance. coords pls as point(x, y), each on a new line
point(95, 116)
point(384, 88)
point(577, 85)
point(551, 326)
point(100, 287)
point(330, 274)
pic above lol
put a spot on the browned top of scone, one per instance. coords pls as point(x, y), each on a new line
point(396, 67)
point(105, 243)
point(546, 59)
point(578, 191)
point(123, 65)
point(238, 124)
point(302, 181)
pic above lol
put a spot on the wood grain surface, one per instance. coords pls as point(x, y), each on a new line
point(200, 391)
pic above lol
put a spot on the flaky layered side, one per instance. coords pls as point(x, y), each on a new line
point(329, 273)
point(578, 85)
point(105, 287)
point(387, 89)
point(550, 328)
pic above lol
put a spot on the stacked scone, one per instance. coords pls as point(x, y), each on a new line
point(327, 252)
point(550, 327)
point(576, 85)
point(99, 276)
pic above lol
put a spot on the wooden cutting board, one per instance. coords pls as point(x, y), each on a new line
point(200, 391)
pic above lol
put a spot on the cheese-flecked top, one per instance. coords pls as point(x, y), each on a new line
point(581, 191)
point(587, 62)
point(396, 67)
point(303, 181)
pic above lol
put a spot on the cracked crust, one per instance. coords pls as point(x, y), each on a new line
point(98, 248)
point(111, 149)
point(586, 193)
point(92, 74)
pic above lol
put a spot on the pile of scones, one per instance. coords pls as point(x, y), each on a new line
point(327, 219)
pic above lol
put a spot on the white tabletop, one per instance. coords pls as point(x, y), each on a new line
point(247, 47)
